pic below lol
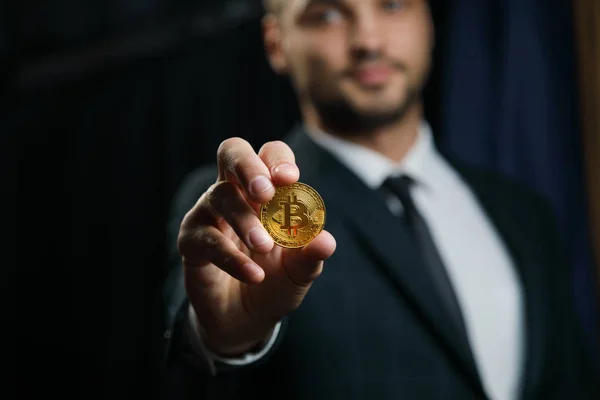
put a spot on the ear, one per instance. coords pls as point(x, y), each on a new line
point(274, 44)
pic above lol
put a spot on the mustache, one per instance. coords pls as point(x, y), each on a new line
point(374, 59)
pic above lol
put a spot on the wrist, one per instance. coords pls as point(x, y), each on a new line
point(235, 342)
point(233, 348)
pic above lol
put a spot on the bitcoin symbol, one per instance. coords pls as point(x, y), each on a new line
point(293, 208)
point(294, 216)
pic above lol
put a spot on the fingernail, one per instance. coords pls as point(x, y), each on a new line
point(258, 237)
point(260, 185)
point(286, 169)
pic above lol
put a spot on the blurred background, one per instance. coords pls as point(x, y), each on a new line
point(107, 105)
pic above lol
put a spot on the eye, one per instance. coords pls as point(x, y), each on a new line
point(330, 15)
point(394, 5)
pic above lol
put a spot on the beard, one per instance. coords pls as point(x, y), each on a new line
point(339, 116)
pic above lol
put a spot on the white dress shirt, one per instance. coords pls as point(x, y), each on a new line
point(478, 264)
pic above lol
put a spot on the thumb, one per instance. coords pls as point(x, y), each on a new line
point(305, 265)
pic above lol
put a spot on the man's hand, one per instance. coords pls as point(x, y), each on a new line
point(238, 281)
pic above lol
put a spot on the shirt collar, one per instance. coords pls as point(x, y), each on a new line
point(372, 167)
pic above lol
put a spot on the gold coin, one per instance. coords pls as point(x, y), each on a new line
point(294, 216)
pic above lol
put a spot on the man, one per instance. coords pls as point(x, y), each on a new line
point(431, 280)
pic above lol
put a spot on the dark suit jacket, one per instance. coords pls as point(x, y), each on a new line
point(371, 327)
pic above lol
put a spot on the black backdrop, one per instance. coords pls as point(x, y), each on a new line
point(105, 107)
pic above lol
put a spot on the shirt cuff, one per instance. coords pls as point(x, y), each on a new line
point(210, 357)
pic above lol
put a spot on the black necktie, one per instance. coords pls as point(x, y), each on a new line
point(418, 229)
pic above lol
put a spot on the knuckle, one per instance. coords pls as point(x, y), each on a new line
point(226, 153)
point(222, 196)
point(186, 221)
point(227, 259)
point(195, 232)
point(201, 243)
point(230, 144)
point(191, 220)
point(237, 156)
point(185, 242)
point(219, 191)
point(241, 171)
point(314, 275)
point(206, 239)
point(197, 215)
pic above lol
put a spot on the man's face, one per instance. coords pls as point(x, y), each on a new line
point(358, 63)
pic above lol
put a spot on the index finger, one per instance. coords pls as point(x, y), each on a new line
point(237, 161)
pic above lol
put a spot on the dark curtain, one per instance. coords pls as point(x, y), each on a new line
point(100, 130)
point(511, 104)
point(106, 106)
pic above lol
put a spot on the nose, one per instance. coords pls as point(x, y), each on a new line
point(366, 38)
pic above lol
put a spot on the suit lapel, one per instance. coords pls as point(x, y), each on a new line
point(380, 233)
point(516, 237)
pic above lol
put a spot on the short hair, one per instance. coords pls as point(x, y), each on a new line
point(276, 6)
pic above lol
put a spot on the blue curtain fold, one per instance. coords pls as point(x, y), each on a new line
point(510, 102)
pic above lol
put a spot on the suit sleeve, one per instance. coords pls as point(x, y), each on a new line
point(184, 354)
point(174, 295)
point(194, 337)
